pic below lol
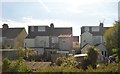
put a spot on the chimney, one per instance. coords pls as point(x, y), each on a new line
point(101, 25)
point(52, 25)
point(5, 26)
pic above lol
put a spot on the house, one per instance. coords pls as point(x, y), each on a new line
point(13, 37)
point(49, 39)
point(94, 35)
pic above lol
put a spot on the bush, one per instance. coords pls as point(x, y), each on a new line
point(102, 68)
point(5, 65)
point(19, 66)
point(59, 61)
point(92, 55)
point(70, 62)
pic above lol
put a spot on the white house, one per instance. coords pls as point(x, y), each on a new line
point(94, 35)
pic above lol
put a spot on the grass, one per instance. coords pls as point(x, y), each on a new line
point(102, 68)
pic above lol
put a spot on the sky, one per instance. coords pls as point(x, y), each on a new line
point(63, 13)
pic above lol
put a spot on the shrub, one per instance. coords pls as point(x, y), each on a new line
point(70, 62)
point(59, 61)
point(5, 65)
point(92, 55)
point(19, 66)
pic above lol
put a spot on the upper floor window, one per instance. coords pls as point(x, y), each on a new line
point(32, 28)
point(95, 28)
point(86, 28)
point(41, 29)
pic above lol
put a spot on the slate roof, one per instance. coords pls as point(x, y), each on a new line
point(96, 33)
point(11, 32)
point(54, 31)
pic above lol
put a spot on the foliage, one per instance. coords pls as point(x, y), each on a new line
point(59, 61)
point(16, 66)
point(19, 66)
point(102, 68)
point(112, 37)
point(26, 53)
point(6, 64)
point(70, 62)
point(92, 55)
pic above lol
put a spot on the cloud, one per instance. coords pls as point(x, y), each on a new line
point(27, 21)
point(46, 8)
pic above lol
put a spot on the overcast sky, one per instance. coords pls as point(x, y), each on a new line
point(63, 13)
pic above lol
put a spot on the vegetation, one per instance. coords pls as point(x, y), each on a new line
point(26, 53)
point(59, 61)
point(92, 56)
point(112, 37)
point(102, 68)
point(70, 62)
point(17, 66)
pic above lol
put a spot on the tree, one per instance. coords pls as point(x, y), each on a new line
point(92, 55)
point(112, 37)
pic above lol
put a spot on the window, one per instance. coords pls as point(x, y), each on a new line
point(102, 52)
point(41, 29)
point(86, 28)
point(32, 28)
point(105, 53)
point(95, 28)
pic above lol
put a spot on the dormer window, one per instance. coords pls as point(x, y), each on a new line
point(86, 28)
point(41, 29)
point(95, 29)
point(32, 28)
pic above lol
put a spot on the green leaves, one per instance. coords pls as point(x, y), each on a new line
point(112, 37)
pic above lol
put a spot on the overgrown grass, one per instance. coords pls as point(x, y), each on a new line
point(102, 68)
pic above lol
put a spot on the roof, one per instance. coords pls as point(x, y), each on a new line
point(85, 45)
point(59, 31)
point(95, 33)
point(51, 31)
point(11, 32)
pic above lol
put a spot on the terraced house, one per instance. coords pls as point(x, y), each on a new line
point(13, 38)
point(45, 39)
